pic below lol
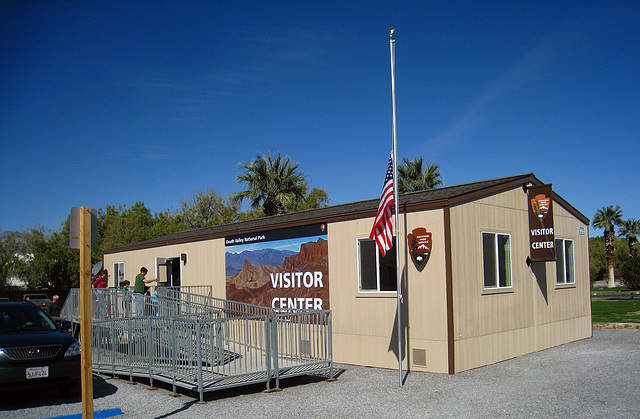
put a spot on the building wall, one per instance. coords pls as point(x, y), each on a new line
point(425, 297)
point(563, 314)
point(204, 264)
point(364, 324)
point(491, 325)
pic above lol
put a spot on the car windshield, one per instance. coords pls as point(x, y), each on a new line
point(24, 318)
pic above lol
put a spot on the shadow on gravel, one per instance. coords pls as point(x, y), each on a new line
point(40, 395)
point(235, 391)
point(257, 388)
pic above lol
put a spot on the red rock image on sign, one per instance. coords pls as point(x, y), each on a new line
point(282, 269)
point(419, 244)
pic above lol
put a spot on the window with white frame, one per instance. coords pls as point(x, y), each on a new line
point(118, 273)
point(564, 262)
point(496, 256)
point(376, 273)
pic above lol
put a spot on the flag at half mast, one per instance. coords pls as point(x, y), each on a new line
point(382, 231)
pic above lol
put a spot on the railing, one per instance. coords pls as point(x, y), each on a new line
point(203, 343)
point(110, 303)
point(114, 303)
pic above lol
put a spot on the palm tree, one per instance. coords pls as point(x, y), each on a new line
point(273, 182)
point(413, 178)
point(608, 218)
point(631, 230)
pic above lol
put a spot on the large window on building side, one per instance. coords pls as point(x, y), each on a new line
point(496, 254)
point(564, 262)
point(376, 273)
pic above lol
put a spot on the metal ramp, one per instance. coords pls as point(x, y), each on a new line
point(200, 343)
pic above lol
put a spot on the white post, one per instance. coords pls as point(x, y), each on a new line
point(392, 46)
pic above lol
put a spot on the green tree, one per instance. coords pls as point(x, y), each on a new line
point(165, 223)
point(12, 261)
point(119, 226)
point(273, 182)
point(608, 218)
point(598, 261)
point(207, 208)
point(317, 198)
point(630, 229)
point(412, 177)
point(52, 265)
point(251, 214)
point(630, 271)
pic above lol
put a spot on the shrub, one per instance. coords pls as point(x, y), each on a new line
point(630, 271)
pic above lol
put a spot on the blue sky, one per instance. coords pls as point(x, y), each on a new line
point(123, 101)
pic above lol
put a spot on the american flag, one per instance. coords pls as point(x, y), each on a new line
point(382, 231)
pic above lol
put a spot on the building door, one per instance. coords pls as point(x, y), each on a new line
point(168, 270)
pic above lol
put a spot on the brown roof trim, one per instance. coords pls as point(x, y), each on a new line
point(495, 189)
point(409, 202)
point(570, 208)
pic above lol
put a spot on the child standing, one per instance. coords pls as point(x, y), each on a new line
point(154, 300)
point(125, 297)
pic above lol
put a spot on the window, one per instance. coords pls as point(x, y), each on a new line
point(376, 273)
point(496, 252)
point(118, 273)
point(564, 262)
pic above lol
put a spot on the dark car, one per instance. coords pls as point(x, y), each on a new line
point(34, 351)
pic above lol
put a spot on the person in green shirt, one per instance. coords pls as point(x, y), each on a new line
point(125, 297)
point(139, 289)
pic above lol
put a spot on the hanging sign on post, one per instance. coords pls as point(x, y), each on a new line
point(541, 234)
point(74, 227)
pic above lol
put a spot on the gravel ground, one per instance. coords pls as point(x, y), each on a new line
point(593, 378)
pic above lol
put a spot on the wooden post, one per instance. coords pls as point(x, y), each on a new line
point(85, 312)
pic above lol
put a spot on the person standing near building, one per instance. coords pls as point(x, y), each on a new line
point(139, 289)
point(100, 282)
point(54, 308)
point(154, 301)
point(126, 305)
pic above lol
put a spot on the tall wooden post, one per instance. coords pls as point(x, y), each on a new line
point(85, 311)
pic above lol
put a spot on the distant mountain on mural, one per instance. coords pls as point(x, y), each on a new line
point(271, 257)
point(252, 284)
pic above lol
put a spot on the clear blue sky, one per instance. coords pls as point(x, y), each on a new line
point(123, 101)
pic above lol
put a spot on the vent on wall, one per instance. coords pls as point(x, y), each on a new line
point(419, 357)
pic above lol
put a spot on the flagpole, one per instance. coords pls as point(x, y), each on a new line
point(392, 47)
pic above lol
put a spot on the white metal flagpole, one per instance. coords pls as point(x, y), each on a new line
point(392, 46)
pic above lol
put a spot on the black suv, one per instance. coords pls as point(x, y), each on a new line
point(35, 351)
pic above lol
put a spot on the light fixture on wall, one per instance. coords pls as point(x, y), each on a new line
point(183, 258)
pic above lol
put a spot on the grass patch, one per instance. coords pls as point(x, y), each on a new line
point(610, 290)
point(615, 311)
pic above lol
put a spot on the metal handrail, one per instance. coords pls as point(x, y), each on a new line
point(202, 343)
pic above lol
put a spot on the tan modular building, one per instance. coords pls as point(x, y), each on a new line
point(473, 298)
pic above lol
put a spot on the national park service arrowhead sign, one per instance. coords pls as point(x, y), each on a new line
point(420, 243)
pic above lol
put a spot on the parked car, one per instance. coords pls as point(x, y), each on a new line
point(41, 300)
point(35, 351)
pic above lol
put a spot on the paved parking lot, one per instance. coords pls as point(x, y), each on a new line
point(596, 377)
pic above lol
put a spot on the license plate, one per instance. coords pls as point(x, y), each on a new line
point(37, 372)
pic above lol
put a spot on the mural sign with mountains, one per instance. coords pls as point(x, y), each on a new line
point(283, 269)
